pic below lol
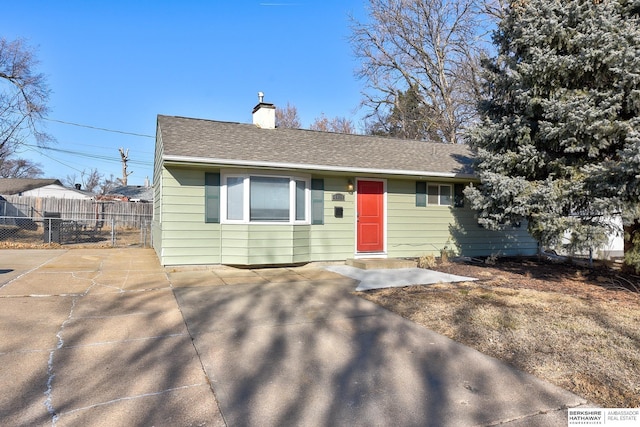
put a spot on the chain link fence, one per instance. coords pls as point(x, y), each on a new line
point(23, 226)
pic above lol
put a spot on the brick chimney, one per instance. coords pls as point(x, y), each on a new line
point(264, 114)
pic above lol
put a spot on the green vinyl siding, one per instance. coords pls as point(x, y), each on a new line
point(417, 230)
point(270, 244)
point(301, 244)
point(186, 237)
point(335, 239)
point(183, 236)
point(156, 223)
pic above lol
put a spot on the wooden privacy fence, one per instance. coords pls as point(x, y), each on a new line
point(125, 214)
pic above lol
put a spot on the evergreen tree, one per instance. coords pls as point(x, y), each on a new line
point(558, 143)
point(410, 118)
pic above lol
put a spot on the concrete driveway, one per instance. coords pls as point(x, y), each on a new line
point(108, 337)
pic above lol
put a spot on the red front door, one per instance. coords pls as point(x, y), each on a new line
point(370, 216)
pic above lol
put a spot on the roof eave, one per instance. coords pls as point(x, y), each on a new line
point(278, 165)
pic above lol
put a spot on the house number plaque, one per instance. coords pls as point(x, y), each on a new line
point(338, 197)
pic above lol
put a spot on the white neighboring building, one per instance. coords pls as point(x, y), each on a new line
point(614, 248)
point(34, 187)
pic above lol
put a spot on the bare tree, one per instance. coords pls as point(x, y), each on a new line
point(288, 117)
point(19, 168)
point(337, 124)
point(495, 9)
point(89, 181)
point(108, 184)
point(23, 96)
point(430, 46)
point(124, 156)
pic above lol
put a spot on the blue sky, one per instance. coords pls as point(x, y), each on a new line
point(117, 64)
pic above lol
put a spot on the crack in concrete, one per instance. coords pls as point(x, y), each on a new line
point(48, 403)
point(121, 399)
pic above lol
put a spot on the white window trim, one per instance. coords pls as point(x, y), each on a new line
point(432, 184)
point(246, 195)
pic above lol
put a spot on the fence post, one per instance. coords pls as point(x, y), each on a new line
point(113, 231)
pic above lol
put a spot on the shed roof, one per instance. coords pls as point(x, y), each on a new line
point(19, 185)
point(134, 192)
point(208, 141)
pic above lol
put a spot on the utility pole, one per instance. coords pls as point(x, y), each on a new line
point(124, 156)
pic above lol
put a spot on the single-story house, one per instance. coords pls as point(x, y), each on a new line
point(254, 194)
point(40, 187)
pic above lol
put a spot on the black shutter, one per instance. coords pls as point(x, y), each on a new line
point(458, 195)
point(317, 201)
point(421, 193)
point(212, 197)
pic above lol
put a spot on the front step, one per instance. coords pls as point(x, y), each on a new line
point(381, 263)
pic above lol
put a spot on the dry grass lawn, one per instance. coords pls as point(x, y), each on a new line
point(34, 239)
point(576, 328)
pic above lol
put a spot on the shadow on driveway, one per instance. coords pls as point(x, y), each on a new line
point(96, 338)
point(305, 351)
point(107, 337)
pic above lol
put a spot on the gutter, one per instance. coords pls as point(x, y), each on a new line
point(278, 165)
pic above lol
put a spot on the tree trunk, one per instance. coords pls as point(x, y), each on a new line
point(631, 233)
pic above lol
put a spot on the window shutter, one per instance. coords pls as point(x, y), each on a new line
point(421, 193)
point(317, 201)
point(458, 195)
point(212, 197)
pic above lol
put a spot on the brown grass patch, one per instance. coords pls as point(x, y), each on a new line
point(34, 239)
point(578, 329)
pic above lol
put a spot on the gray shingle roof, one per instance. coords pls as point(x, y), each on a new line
point(208, 141)
point(18, 185)
point(134, 192)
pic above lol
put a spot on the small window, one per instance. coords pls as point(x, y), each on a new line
point(433, 195)
point(438, 195)
point(445, 195)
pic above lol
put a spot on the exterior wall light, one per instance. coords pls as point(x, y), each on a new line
point(350, 186)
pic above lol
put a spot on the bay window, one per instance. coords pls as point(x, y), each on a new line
point(257, 198)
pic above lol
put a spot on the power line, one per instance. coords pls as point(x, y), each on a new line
point(133, 150)
point(87, 155)
point(55, 160)
point(99, 128)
